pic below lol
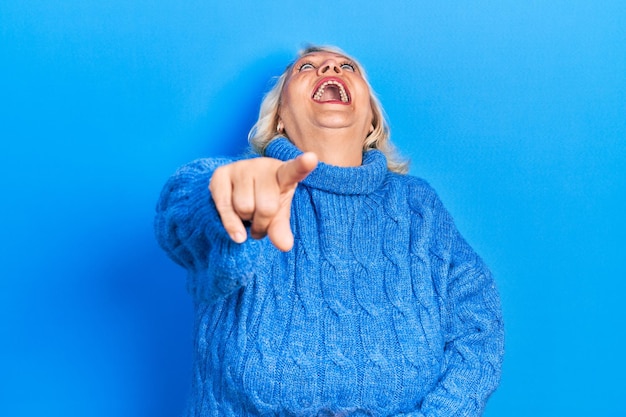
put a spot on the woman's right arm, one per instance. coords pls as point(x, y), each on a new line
point(188, 227)
point(204, 207)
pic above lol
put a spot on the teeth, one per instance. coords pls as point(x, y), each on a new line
point(320, 91)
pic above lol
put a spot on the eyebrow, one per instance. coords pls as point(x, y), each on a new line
point(313, 53)
point(347, 58)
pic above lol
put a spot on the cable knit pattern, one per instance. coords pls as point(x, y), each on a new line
point(380, 309)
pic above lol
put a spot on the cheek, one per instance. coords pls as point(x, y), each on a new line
point(286, 101)
point(366, 103)
point(364, 97)
point(293, 102)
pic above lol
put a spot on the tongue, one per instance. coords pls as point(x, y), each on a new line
point(331, 93)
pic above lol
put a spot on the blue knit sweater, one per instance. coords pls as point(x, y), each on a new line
point(380, 309)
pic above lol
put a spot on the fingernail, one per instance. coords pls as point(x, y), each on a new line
point(239, 237)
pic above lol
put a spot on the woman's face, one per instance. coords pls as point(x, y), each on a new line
point(325, 90)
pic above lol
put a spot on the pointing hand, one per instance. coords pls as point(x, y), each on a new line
point(260, 191)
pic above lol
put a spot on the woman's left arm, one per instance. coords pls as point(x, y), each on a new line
point(474, 331)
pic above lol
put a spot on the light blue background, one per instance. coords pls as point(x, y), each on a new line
point(514, 110)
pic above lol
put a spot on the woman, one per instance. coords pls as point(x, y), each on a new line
point(363, 300)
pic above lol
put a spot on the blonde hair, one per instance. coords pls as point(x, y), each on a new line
point(265, 130)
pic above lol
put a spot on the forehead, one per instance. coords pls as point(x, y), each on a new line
point(323, 55)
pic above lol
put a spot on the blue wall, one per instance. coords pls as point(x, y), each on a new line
point(515, 111)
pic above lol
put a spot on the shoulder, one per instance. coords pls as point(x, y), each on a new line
point(419, 193)
point(202, 166)
point(190, 181)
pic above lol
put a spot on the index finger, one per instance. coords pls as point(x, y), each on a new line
point(295, 170)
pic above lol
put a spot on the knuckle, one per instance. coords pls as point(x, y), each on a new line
point(218, 180)
point(267, 207)
point(243, 205)
point(221, 202)
point(223, 206)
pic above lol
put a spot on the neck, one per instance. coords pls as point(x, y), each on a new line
point(332, 147)
point(363, 179)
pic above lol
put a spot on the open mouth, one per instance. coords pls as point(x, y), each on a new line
point(331, 90)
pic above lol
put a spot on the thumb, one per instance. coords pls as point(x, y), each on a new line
point(290, 173)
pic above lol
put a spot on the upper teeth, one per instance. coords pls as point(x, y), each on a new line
point(342, 91)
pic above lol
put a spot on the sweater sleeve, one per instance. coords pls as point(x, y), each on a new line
point(474, 331)
point(187, 226)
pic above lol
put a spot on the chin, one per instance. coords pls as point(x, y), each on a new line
point(334, 122)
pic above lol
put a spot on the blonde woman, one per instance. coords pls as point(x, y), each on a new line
point(326, 281)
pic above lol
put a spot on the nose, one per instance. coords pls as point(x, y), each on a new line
point(329, 66)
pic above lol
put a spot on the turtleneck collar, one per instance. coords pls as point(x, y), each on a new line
point(363, 179)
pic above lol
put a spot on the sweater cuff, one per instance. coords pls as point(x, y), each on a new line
point(230, 266)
